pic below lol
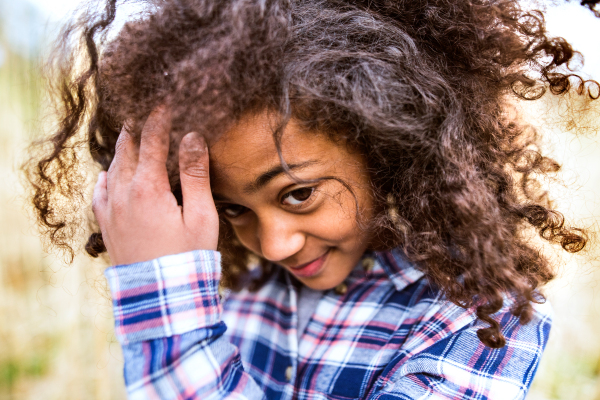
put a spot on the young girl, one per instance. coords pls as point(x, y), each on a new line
point(352, 172)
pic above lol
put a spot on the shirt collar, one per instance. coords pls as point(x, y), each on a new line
point(394, 264)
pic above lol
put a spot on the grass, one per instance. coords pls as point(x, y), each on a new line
point(56, 338)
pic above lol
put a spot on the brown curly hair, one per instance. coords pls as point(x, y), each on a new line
point(421, 88)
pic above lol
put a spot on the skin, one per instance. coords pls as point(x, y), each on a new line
point(289, 223)
point(286, 222)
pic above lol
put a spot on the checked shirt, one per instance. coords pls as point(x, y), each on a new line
point(386, 334)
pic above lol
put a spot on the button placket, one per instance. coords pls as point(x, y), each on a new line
point(368, 263)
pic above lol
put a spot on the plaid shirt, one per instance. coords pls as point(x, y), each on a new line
point(385, 334)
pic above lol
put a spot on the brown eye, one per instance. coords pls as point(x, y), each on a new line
point(232, 210)
point(298, 196)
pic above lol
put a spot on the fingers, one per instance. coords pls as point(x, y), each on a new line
point(154, 146)
point(198, 204)
point(125, 161)
point(100, 199)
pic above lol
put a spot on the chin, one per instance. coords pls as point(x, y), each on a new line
point(324, 281)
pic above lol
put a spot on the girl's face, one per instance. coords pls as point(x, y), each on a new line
point(310, 229)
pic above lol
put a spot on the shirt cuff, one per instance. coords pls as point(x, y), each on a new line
point(167, 296)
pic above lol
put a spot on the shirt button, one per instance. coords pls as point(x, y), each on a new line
point(368, 264)
point(341, 289)
point(288, 373)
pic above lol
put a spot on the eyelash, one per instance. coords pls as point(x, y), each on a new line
point(301, 202)
point(242, 210)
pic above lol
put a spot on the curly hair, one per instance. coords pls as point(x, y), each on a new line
point(592, 5)
point(421, 88)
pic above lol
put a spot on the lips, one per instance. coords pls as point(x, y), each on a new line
point(311, 268)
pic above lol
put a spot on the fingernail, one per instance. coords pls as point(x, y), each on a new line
point(193, 142)
point(161, 108)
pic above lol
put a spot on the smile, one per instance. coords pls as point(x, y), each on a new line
point(311, 268)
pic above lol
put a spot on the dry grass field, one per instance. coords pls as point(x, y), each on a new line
point(570, 368)
point(56, 338)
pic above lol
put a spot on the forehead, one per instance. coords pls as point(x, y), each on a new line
point(248, 150)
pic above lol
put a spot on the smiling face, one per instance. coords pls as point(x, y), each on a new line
point(311, 229)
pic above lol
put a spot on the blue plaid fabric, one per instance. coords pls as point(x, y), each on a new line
point(388, 335)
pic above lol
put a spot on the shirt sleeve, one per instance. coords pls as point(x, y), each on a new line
point(168, 321)
point(459, 366)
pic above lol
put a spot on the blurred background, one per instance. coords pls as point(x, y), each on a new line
point(56, 335)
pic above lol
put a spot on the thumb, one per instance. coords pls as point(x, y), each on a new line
point(100, 198)
point(198, 204)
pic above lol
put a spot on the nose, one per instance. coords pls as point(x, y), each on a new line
point(279, 237)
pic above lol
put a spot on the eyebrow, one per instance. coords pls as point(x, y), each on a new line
point(273, 173)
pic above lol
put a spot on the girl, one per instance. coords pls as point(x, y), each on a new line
point(352, 173)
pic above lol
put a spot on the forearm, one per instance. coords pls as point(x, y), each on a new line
point(200, 364)
point(168, 321)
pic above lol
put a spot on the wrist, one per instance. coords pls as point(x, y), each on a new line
point(166, 296)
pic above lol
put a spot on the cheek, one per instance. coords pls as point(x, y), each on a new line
point(338, 221)
point(354, 223)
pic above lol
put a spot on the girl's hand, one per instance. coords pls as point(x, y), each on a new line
point(138, 215)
